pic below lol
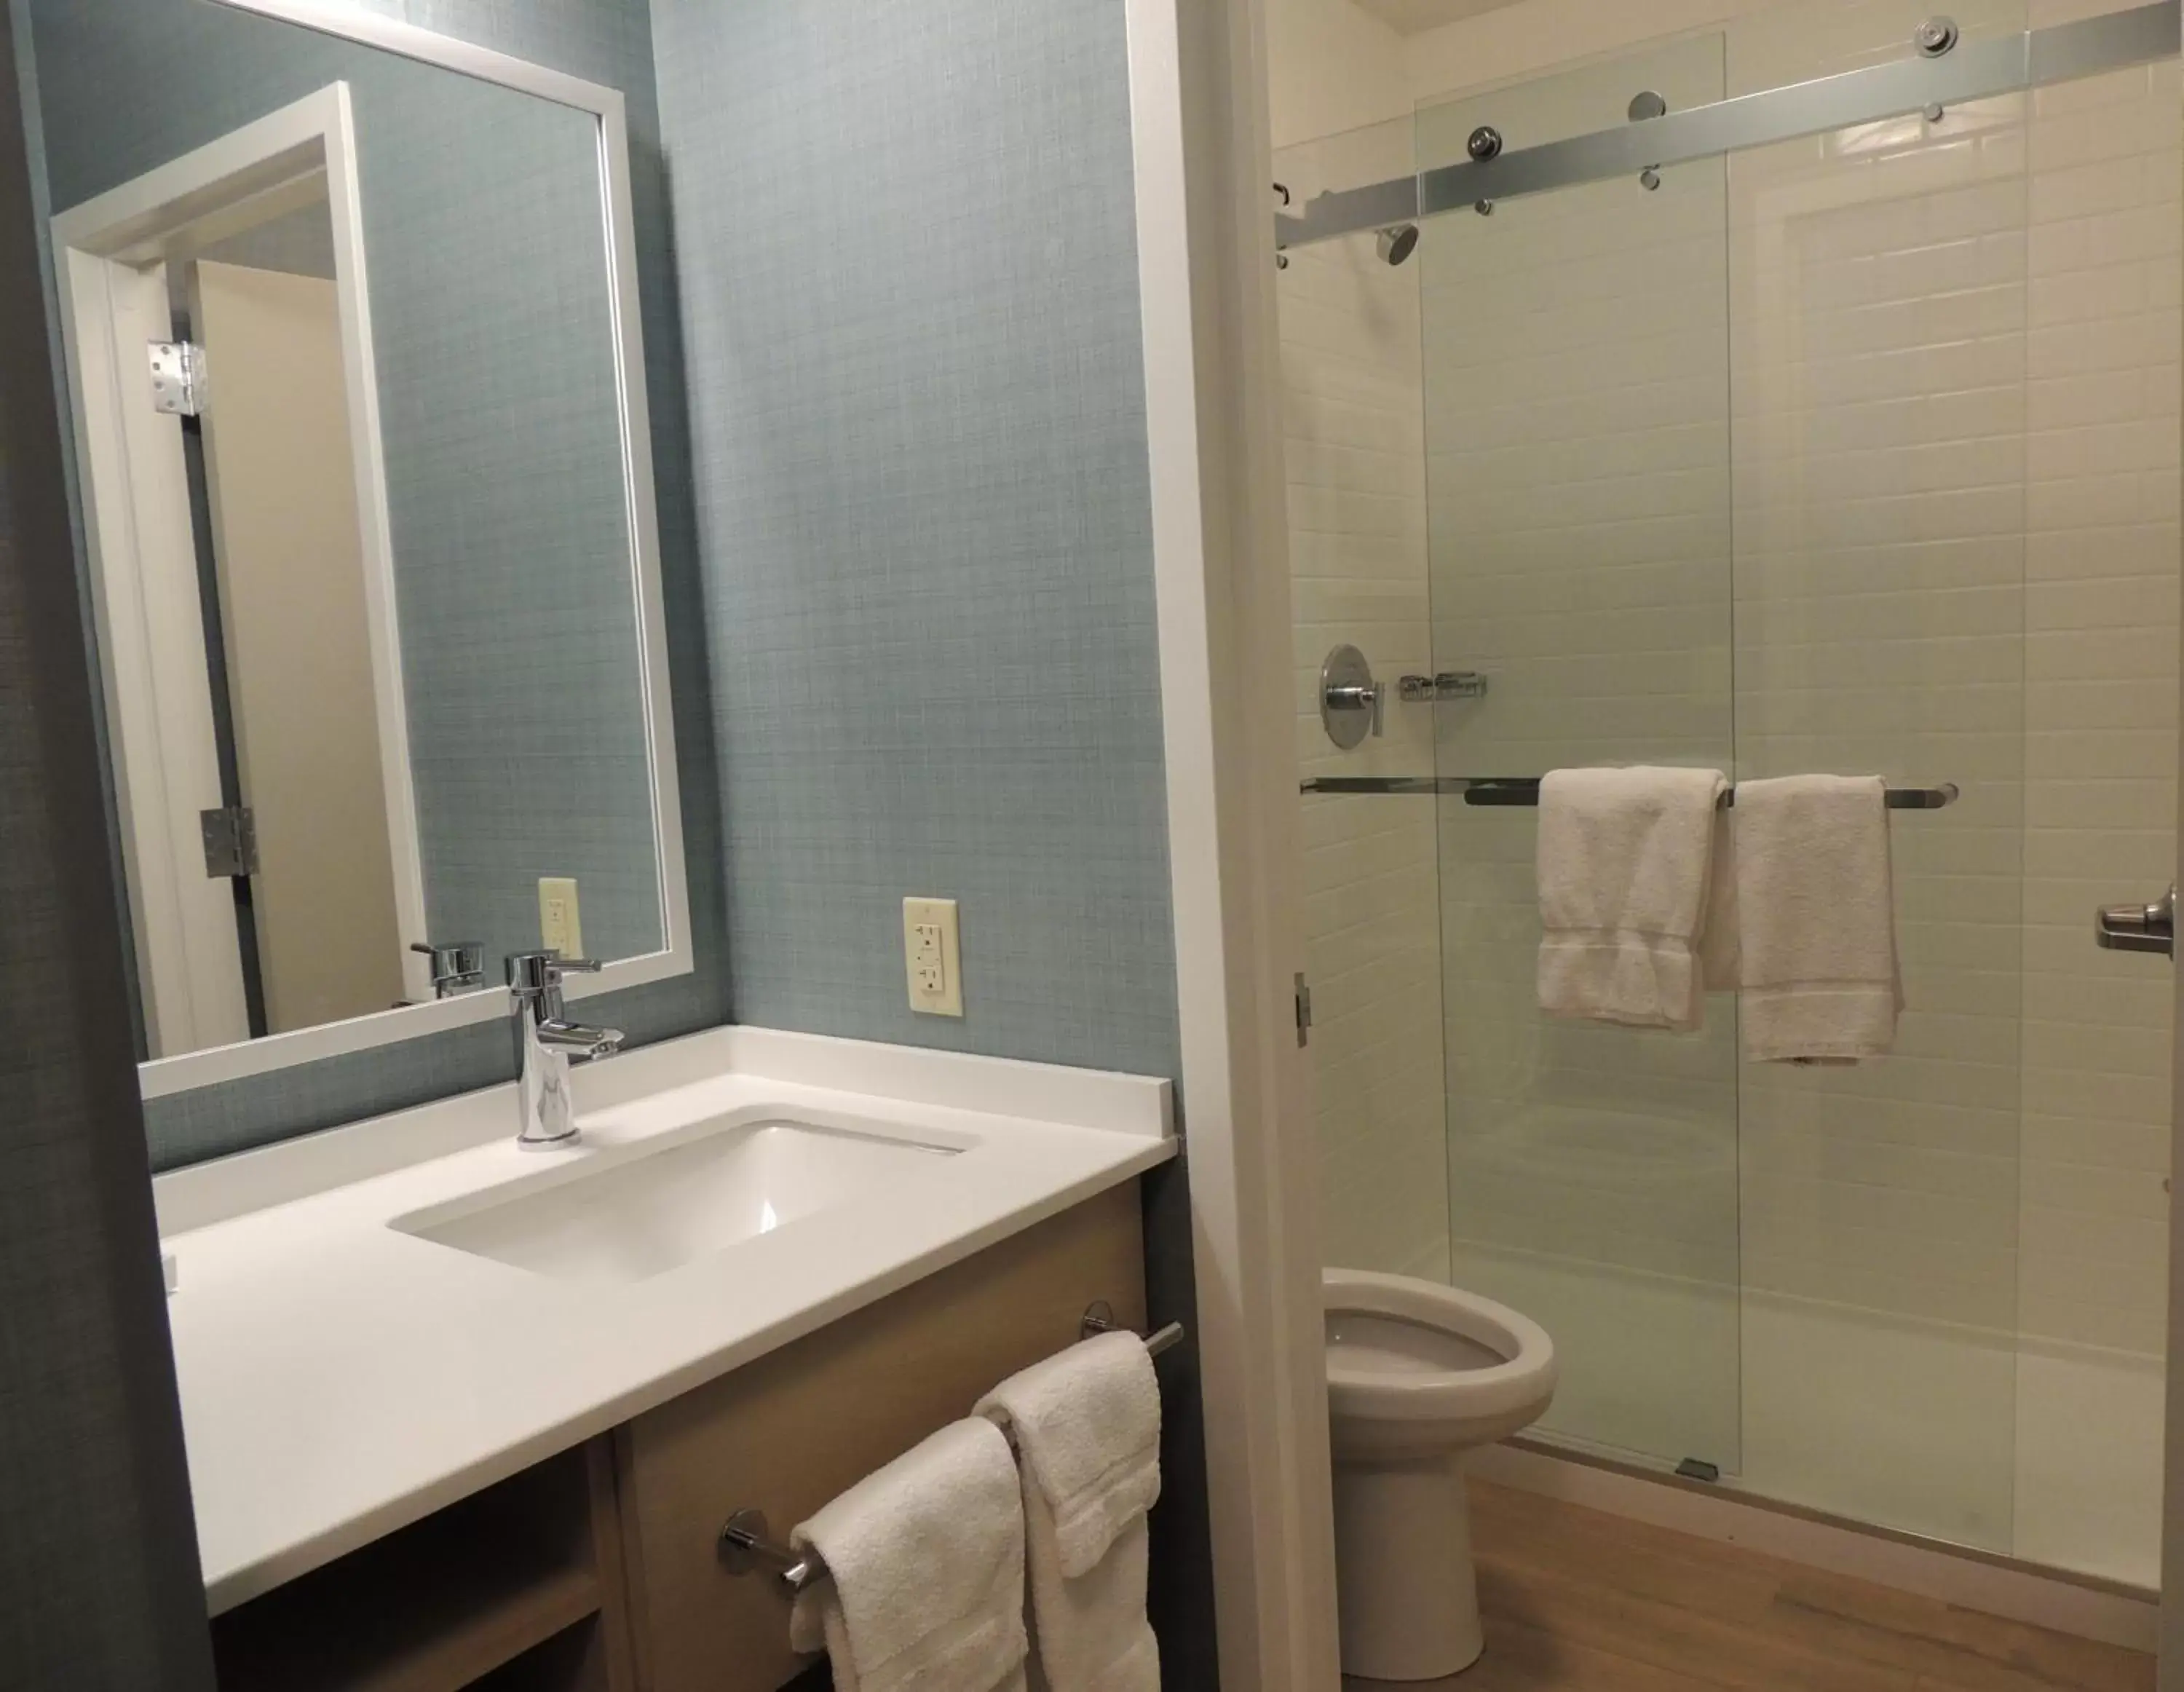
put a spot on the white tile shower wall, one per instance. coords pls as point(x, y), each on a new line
point(1351, 385)
point(1878, 311)
point(1957, 387)
point(2106, 294)
point(1955, 380)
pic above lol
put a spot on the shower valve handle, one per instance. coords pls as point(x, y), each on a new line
point(1352, 701)
point(1357, 696)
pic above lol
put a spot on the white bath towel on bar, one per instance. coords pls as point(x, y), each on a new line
point(1815, 918)
point(1625, 867)
point(1087, 1426)
point(927, 1564)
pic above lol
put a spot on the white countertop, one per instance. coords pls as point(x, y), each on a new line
point(340, 1379)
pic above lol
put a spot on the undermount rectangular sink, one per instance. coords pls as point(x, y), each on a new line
point(642, 1216)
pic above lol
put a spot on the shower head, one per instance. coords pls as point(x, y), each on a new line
point(1397, 241)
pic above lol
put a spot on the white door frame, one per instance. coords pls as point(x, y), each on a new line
point(1198, 95)
point(111, 253)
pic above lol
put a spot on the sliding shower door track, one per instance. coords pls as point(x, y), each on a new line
point(1940, 75)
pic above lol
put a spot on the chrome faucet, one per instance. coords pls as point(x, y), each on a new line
point(547, 1043)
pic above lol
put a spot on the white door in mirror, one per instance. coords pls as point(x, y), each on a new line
point(932, 956)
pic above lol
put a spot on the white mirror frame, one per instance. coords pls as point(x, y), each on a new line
point(87, 238)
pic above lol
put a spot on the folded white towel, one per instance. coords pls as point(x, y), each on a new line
point(927, 1561)
point(1087, 1422)
point(1625, 868)
point(1815, 916)
point(1087, 1427)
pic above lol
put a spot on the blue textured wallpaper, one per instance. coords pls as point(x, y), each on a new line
point(97, 1555)
point(904, 239)
point(608, 42)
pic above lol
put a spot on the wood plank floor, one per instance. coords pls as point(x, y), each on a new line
point(1575, 1601)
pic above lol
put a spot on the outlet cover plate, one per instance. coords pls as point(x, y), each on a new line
point(932, 956)
point(560, 922)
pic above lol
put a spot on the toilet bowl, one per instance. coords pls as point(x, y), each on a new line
point(1417, 1374)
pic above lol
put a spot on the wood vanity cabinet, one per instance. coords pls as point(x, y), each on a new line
point(788, 1433)
point(598, 1570)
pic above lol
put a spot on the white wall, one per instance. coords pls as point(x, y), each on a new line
point(1330, 68)
point(1537, 35)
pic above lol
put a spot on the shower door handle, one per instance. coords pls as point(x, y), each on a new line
point(2139, 927)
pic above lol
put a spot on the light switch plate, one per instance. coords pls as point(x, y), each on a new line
point(932, 956)
point(560, 925)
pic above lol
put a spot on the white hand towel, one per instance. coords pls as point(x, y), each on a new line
point(1815, 919)
point(926, 1558)
point(1625, 868)
point(1087, 1425)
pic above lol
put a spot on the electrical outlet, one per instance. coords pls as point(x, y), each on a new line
point(560, 926)
point(932, 956)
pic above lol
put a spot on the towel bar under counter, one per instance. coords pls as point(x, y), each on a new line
point(1524, 790)
point(747, 1541)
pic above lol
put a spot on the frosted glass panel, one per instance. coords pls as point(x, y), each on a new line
point(1577, 410)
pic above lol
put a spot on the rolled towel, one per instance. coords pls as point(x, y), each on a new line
point(1087, 1427)
point(1625, 868)
point(926, 1560)
point(1816, 919)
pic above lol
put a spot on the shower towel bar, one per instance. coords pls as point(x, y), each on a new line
point(1524, 790)
point(747, 1540)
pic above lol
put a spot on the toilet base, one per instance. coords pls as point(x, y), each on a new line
point(1406, 1593)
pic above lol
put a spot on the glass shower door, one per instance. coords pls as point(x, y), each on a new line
point(1853, 453)
point(1729, 466)
point(1577, 422)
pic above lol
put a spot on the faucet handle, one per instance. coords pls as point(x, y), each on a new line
point(536, 972)
point(455, 964)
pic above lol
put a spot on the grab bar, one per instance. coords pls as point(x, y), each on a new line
point(1524, 790)
point(747, 1541)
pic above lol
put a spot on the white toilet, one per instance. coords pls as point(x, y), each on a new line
point(1417, 1374)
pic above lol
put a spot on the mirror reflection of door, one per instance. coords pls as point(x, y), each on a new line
point(220, 355)
point(289, 568)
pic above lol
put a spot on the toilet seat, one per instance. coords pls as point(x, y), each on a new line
point(1418, 1367)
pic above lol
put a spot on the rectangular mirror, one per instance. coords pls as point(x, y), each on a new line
point(350, 320)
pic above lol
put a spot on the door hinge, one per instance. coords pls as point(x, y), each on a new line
point(1303, 1010)
point(178, 378)
point(230, 840)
